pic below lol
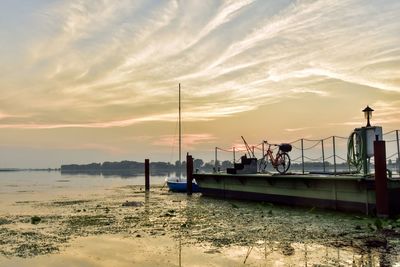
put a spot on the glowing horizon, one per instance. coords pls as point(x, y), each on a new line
point(85, 81)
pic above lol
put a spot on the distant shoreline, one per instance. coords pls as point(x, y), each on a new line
point(25, 169)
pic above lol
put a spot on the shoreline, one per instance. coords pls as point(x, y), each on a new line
point(199, 222)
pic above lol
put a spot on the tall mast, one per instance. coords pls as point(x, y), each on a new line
point(180, 134)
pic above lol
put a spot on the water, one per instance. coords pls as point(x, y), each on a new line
point(85, 221)
point(27, 186)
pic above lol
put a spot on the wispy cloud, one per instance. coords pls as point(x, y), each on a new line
point(91, 60)
point(189, 141)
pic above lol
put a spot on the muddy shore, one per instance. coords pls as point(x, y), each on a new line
point(49, 227)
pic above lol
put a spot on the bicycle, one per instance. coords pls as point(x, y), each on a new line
point(281, 161)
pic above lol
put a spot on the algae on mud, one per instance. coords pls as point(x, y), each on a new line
point(217, 225)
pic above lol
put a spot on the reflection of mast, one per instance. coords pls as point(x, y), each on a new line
point(180, 248)
point(305, 254)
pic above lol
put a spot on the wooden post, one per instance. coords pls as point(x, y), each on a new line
point(381, 189)
point(189, 174)
point(334, 154)
point(398, 151)
point(323, 154)
point(147, 174)
point(302, 155)
point(216, 158)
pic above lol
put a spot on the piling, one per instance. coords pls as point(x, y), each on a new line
point(147, 174)
point(302, 155)
point(334, 154)
point(189, 174)
point(216, 158)
point(323, 155)
point(398, 151)
point(381, 186)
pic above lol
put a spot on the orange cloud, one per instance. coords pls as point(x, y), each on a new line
point(189, 141)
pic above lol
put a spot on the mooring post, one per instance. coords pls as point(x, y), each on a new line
point(234, 155)
point(216, 158)
point(147, 174)
point(334, 154)
point(323, 154)
point(381, 189)
point(189, 174)
point(302, 155)
point(398, 151)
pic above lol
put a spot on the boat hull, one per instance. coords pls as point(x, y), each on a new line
point(181, 186)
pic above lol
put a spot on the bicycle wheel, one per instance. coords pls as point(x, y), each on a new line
point(283, 162)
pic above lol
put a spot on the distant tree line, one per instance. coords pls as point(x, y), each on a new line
point(138, 167)
point(199, 165)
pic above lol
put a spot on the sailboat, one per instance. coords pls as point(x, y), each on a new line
point(179, 184)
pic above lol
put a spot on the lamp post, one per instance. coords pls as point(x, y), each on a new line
point(368, 115)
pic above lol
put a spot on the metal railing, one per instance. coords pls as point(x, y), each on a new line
point(327, 155)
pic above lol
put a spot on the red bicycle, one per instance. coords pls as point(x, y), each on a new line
point(281, 161)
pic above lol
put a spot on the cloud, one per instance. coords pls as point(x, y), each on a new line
point(310, 91)
point(102, 64)
point(299, 129)
point(189, 141)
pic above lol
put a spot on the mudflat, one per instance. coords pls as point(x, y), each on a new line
point(122, 225)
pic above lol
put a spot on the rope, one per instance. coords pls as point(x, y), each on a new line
point(311, 140)
point(390, 132)
point(339, 157)
point(225, 150)
point(295, 147)
point(353, 158)
point(260, 144)
point(313, 159)
point(296, 159)
point(391, 156)
point(329, 137)
point(340, 137)
point(312, 146)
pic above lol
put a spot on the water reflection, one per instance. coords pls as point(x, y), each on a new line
point(113, 173)
point(105, 174)
point(114, 250)
point(304, 254)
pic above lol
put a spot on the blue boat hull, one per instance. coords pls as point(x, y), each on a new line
point(181, 186)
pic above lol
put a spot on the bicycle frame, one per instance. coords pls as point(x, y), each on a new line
point(275, 161)
point(280, 162)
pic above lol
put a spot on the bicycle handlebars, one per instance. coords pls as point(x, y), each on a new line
point(266, 142)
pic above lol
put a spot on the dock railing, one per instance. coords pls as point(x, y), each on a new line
point(327, 155)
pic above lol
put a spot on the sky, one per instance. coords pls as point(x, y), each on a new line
point(97, 80)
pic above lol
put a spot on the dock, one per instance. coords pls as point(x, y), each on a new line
point(371, 192)
point(349, 193)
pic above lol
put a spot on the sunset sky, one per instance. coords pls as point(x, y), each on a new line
point(97, 80)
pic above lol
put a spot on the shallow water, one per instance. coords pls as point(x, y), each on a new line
point(29, 186)
point(97, 221)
